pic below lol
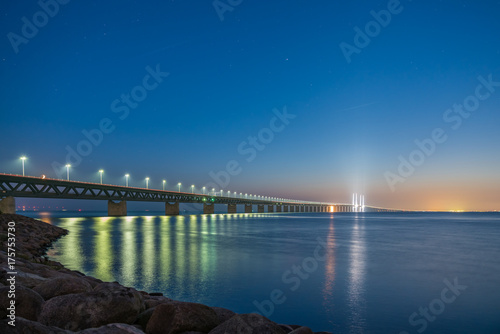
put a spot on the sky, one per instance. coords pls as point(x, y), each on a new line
point(310, 100)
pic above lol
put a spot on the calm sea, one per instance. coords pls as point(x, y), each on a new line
point(345, 272)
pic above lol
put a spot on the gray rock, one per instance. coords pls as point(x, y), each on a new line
point(113, 329)
point(28, 303)
point(24, 326)
point(302, 330)
point(249, 324)
point(179, 317)
point(152, 301)
point(93, 281)
point(286, 328)
point(144, 317)
point(62, 286)
point(223, 314)
point(25, 279)
point(107, 303)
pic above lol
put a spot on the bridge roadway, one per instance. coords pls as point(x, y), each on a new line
point(12, 186)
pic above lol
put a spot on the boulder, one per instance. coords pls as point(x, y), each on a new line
point(93, 281)
point(286, 328)
point(113, 329)
point(143, 318)
point(22, 278)
point(62, 286)
point(180, 317)
point(152, 301)
point(24, 326)
point(249, 324)
point(28, 302)
point(302, 330)
point(223, 314)
point(107, 303)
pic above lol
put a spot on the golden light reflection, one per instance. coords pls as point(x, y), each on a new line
point(103, 248)
point(71, 244)
point(175, 255)
point(166, 255)
point(180, 253)
point(129, 250)
point(148, 251)
point(193, 242)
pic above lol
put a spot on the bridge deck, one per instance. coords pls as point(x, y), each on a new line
point(28, 186)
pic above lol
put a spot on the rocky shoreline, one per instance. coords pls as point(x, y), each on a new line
point(50, 298)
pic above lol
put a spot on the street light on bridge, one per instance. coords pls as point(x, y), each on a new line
point(126, 179)
point(100, 174)
point(23, 158)
point(204, 190)
point(179, 184)
point(67, 170)
point(147, 183)
point(192, 189)
point(164, 181)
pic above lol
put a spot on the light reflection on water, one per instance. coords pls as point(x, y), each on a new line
point(356, 290)
point(378, 268)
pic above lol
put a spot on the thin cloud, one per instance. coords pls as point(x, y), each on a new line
point(360, 106)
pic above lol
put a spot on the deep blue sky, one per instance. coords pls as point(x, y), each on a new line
point(353, 120)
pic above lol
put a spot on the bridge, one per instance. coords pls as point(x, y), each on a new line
point(12, 186)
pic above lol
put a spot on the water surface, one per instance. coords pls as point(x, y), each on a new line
point(342, 272)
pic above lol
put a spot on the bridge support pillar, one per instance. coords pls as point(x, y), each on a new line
point(270, 208)
point(117, 209)
point(260, 208)
point(278, 208)
point(171, 209)
point(248, 208)
point(208, 209)
point(302, 209)
point(231, 208)
point(292, 208)
point(8, 205)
